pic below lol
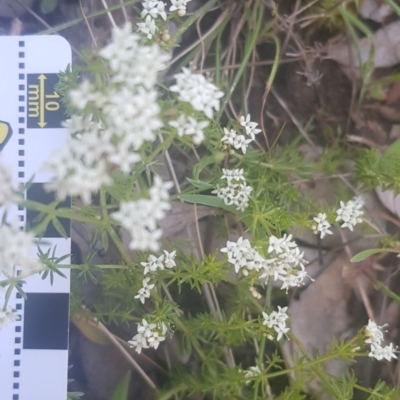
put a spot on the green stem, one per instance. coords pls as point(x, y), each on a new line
point(247, 55)
point(261, 350)
point(59, 212)
point(190, 21)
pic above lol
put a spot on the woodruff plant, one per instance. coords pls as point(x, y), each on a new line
point(120, 123)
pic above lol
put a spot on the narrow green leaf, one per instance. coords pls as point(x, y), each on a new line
point(366, 253)
point(200, 184)
point(104, 240)
point(121, 392)
point(214, 158)
point(380, 286)
point(211, 201)
point(59, 228)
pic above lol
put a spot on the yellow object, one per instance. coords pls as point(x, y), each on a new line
point(5, 134)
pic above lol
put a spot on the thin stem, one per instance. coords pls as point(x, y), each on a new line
point(192, 20)
point(247, 55)
point(261, 351)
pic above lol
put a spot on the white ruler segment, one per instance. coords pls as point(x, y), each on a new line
point(34, 349)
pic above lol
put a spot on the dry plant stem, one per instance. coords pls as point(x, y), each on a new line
point(209, 292)
point(360, 287)
point(127, 356)
point(110, 17)
point(88, 24)
point(250, 83)
point(203, 50)
point(294, 119)
point(124, 12)
point(200, 41)
point(254, 64)
point(289, 29)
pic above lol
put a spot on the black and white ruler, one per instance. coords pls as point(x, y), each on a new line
point(34, 349)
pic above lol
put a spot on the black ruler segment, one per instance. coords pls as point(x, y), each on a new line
point(46, 321)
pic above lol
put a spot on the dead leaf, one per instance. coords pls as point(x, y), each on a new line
point(389, 113)
point(394, 93)
point(322, 313)
point(386, 42)
point(389, 200)
point(90, 330)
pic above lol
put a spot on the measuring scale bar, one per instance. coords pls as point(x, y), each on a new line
point(34, 349)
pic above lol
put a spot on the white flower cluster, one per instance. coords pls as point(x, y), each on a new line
point(129, 117)
point(185, 125)
point(80, 166)
point(152, 9)
point(286, 263)
point(198, 91)
point(322, 225)
point(149, 335)
point(374, 334)
point(237, 140)
point(140, 217)
point(166, 260)
point(7, 187)
point(180, 6)
point(277, 321)
point(350, 213)
point(236, 192)
point(7, 316)
point(251, 372)
point(16, 251)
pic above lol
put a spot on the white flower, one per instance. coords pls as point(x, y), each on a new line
point(374, 336)
point(379, 352)
point(155, 340)
point(139, 342)
point(374, 333)
point(166, 260)
point(16, 250)
point(7, 187)
point(154, 8)
point(189, 126)
point(149, 335)
point(229, 136)
point(82, 95)
point(350, 213)
point(236, 192)
point(277, 321)
point(236, 140)
point(180, 6)
point(286, 262)
point(7, 316)
point(72, 177)
point(122, 48)
point(322, 226)
point(251, 373)
point(144, 291)
point(196, 90)
point(251, 127)
point(148, 27)
point(140, 217)
point(242, 256)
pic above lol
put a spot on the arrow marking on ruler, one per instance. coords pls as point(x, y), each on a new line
point(41, 122)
